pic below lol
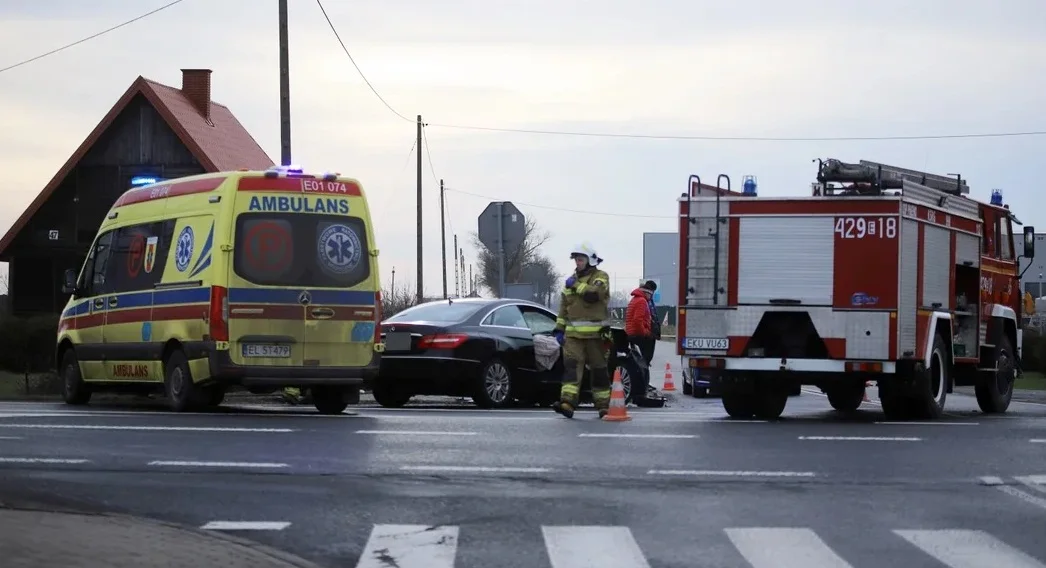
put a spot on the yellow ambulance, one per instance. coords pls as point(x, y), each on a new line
point(253, 279)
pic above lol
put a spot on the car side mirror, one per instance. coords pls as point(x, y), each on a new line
point(1029, 242)
point(69, 285)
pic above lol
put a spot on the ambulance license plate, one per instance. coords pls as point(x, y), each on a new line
point(266, 350)
point(397, 342)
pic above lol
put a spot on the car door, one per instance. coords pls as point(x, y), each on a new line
point(540, 322)
point(507, 323)
point(90, 326)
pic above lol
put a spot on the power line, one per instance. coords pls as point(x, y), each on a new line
point(358, 70)
point(744, 138)
point(428, 154)
point(691, 137)
point(564, 209)
point(90, 37)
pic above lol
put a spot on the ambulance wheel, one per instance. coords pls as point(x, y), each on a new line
point(182, 392)
point(330, 399)
point(994, 394)
point(738, 405)
point(769, 404)
point(74, 390)
point(846, 398)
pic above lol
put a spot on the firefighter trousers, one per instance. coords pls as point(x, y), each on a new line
point(576, 354)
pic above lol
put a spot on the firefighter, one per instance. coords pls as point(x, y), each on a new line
point(583, 313)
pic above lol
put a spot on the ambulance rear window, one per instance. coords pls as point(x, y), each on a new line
point(295, 249)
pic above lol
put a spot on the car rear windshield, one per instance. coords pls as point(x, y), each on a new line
point(442, 312)
point(301, 249)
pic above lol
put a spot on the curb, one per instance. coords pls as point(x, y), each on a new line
point(274, 553)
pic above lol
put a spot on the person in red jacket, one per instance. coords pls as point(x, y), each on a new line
point(639, 321)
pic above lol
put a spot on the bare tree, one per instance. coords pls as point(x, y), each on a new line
point(395, 300)
point(548, 283)
point(516, 261)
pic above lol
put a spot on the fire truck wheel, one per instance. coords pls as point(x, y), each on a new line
point(769, 404)
point(994, 394)
point(846, 398)
point(740, 405)
point(933, 385)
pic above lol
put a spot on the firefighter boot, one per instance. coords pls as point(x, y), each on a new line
point(565, 408)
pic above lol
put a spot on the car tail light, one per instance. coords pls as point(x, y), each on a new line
point(219, 313)
point(442, 341)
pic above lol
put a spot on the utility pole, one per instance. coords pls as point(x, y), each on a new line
point(443, 238)
point(461, 260)
point(285, 88)
point(421, 286)
point(393, 290)
point(472, 283)
point(457, 270)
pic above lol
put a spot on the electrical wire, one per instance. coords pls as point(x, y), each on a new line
point(564, 209)
point(428, 154)
point(691, 137)
point(744, 138)
point(90, 37)
point(358, 70)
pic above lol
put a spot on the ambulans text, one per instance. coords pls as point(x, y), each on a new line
point(296, 204)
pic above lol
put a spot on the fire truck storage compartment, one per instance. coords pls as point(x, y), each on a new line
point(969, 326)
point(701, 270)
point(785, 258)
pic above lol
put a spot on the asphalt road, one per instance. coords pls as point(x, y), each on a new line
point(441, 487)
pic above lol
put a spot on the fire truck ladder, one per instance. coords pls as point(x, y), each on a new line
point(704, 278)
point(871, 178)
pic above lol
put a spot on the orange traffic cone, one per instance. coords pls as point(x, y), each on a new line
point(617, 411)
point(670, 384)
point(866, 385)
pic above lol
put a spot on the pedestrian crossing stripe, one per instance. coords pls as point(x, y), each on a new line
point(574, 546)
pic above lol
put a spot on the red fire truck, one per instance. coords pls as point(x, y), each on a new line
point(883, 274)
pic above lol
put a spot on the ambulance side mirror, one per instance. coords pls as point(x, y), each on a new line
point(69, 284)
point(1029, 242)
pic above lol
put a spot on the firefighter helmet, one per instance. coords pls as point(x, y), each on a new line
point(586, 250)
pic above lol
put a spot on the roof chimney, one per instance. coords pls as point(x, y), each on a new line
point(196, 85)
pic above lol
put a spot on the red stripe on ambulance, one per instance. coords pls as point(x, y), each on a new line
point(300, 185)
point(165, 190)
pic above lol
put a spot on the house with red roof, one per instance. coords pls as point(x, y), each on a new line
point(154, 131)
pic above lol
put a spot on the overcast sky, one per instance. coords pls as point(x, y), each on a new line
point(798, 68)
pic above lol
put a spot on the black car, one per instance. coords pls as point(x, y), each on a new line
point(480, 348)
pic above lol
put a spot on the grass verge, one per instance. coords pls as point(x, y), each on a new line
point(1031, 380)
point(41, 386)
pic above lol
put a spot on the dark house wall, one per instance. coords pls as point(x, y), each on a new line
point(138, 142)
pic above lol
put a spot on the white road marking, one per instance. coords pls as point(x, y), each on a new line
point(636, 436)
point(863, 438)
point(592, 546)
point(11, 438)
point(410, 546)
point(1023, 496)
point(929, 423)
point(245, 526)
point(217, 464)
point(700, 472)
point(147, 428)
point(475, 468)
point(784, 548)
point(417, 432)
point(44, 460)
point(1036, 482)
point(968, 549)
point(1038, 440)
point(991, 480)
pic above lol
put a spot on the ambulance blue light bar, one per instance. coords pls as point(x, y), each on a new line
point(284, 171)
point(996, 197)
point(137, 181)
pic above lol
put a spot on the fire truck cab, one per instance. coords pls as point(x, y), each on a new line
point(882, 274)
